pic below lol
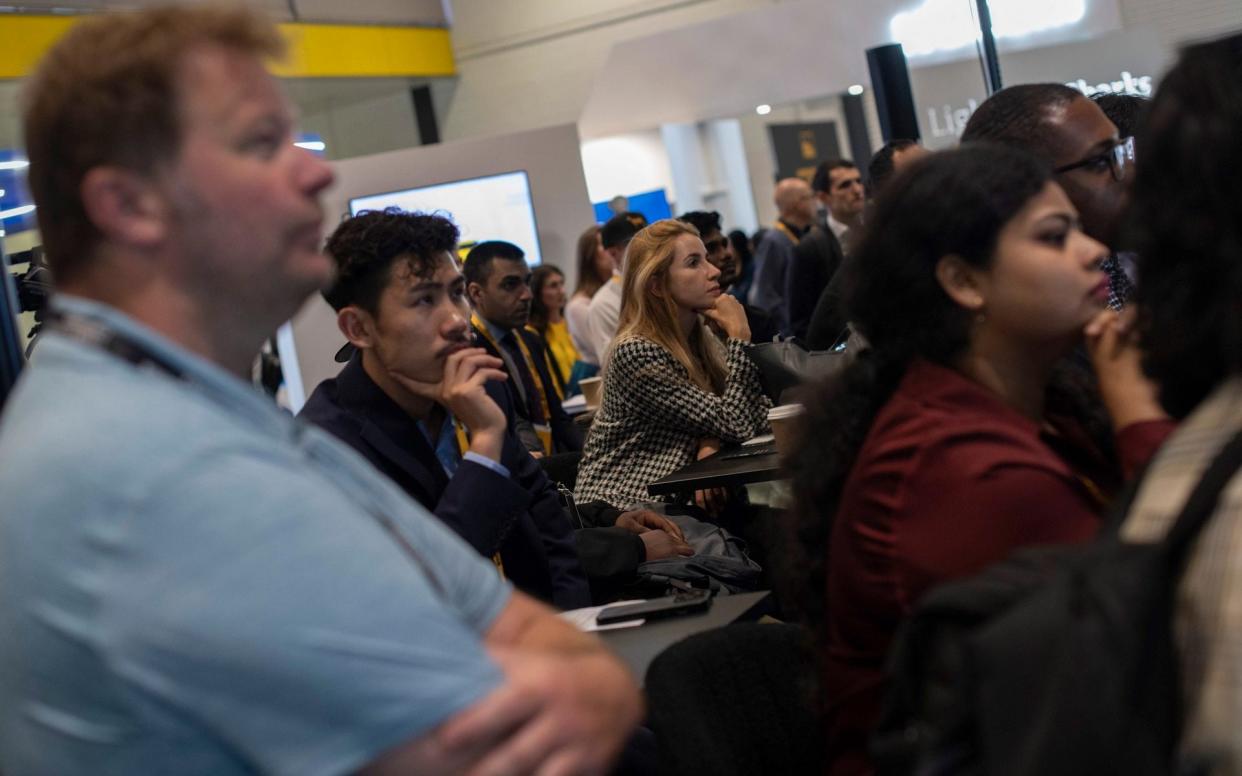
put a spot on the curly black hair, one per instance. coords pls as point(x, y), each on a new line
point(1126, 111)
point(1015, 116)
point(706, 221)
point(1186, 225)
point(364, 248)
point(950, 203)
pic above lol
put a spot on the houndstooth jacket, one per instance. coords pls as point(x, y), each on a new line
point(653, 418)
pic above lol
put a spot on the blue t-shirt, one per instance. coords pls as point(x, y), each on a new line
point(191, 581)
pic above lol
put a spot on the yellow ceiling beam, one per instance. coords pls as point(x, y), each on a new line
point(315, 50)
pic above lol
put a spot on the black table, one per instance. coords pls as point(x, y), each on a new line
point(639, 646)
point(719, 470)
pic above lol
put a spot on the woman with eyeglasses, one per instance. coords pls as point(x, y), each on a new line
point(952, 441)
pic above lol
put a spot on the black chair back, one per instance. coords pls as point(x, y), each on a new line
point(737, 701)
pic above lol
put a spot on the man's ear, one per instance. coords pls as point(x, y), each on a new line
point(127, 207)
point(475, 292)
point(964, 284)
point(357, 325)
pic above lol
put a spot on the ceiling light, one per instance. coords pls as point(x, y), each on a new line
point(311, 145)
point(948, 25)
point(855, 90)
point(763, 110)
point(14, 164)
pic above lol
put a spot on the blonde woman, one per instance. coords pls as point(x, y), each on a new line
point(678, 381)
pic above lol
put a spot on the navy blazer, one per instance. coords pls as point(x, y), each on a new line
point(520, 516)
point(566, 437)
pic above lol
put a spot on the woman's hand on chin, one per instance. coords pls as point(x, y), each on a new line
point(729, 317)
point(1128, 394)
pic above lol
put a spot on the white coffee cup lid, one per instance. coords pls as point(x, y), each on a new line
point(785, 411)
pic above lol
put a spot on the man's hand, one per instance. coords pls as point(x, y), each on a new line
point(1129, 396)
point(662, 538)
point(461, 391)
point(566, 707)
point(642, 520)
point(659, 545)
point(556, 714)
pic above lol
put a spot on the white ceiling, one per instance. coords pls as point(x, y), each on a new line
point(780, 54)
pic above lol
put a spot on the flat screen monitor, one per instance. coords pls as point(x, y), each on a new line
point(495, 207)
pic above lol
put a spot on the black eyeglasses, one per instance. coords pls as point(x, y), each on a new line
point(1114, 159)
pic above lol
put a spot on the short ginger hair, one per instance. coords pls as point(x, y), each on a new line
point(107, 94)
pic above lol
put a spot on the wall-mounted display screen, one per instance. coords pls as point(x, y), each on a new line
point(495, 207)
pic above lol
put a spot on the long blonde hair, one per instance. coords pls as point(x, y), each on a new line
point(655, 316)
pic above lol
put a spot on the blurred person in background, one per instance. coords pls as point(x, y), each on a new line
point(795, 204)
point(594, 270)
point(547, 307)
point(744, 254)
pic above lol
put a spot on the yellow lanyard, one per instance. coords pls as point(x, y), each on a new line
point(463, 444)
point(553, 369)
point(543, 430)
point(781, 227)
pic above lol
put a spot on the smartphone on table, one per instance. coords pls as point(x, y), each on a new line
point(668, 606)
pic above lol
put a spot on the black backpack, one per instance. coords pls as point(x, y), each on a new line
point(1058, 660)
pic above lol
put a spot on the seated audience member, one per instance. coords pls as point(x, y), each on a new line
point(498, 283)
point(744, 253)
point(888, 161)
point(838, 186)
point(795, 204)
point(720, 255)
point(827, 326)
point(1092, 162)
point(413, 400)
point(594, 270)
point(945, 446)
point(1188, 236)
point(432, 413)
point(678, 382)
point(605, 308)
point(547, 318)
point(195, 582)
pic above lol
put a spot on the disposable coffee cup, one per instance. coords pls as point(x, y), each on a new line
point(591, 389)
point(786, 421)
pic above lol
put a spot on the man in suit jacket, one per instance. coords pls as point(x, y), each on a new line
point(432, 413)
point(498, 284)
point(817, 257)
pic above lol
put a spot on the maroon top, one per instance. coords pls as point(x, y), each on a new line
point(948, 481)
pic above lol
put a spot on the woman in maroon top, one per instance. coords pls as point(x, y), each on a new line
point(960, 436)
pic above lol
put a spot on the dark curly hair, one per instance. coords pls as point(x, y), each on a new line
point(950, 203)
point(1126, 111)
point(1016, 116)
point(364, 248)
point(1186, 225)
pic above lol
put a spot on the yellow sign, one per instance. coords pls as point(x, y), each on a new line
point(315, 50)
